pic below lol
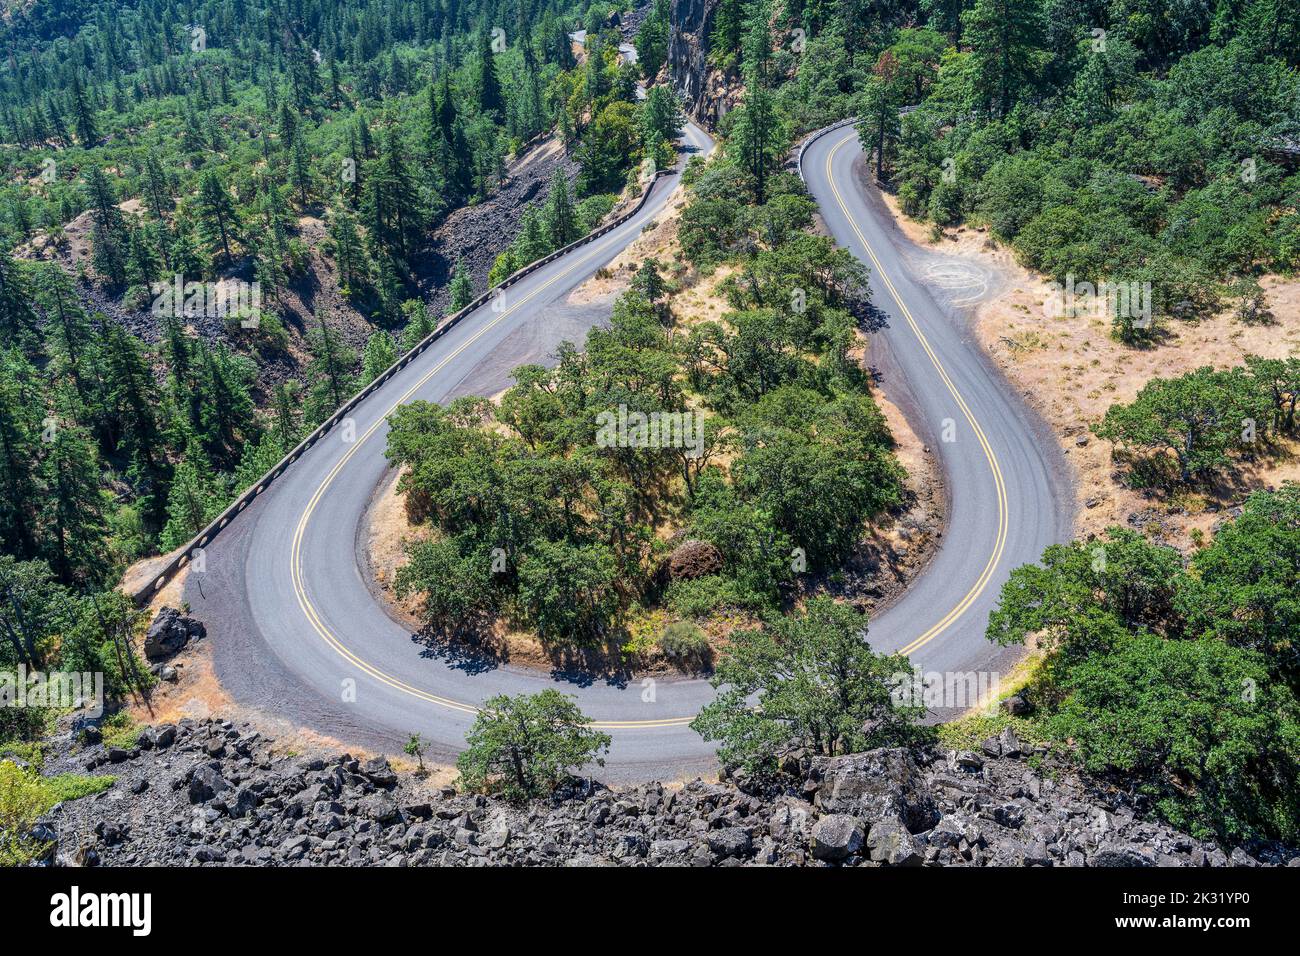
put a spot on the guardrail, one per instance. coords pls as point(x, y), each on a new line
point(157, 581)
point(813, 137)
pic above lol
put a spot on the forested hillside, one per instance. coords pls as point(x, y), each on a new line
point(179, 174)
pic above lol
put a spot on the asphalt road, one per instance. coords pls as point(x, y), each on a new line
point(298, 634)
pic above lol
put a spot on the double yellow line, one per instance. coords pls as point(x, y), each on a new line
point(1000, 542)
point(314, 618)
point(295, 555)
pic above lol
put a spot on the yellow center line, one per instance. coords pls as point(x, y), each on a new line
point(295, 557)
point(319, 626)
point(1000, 543)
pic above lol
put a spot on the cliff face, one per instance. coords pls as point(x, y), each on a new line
point(708, 92)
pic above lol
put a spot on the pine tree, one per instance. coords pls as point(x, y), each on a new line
point(285, 408)
point(218, 218)
point(300, 170)
point(71, 343)
point(142, 264)
point(19, 430)
point(109, 236)
point(462, 287)
point(349, 252)
point(17, 320)
point(1005, 38)
point(72, 518)
point(131, 417)
point(757, 137)
point(391, 205)
point(329, 372)
point(228, 417)
point(83, 117)
point(419, 324)
point(378, 355)
point(560, 218)
point(191, 502)
point(661, 122)
point(489, 83)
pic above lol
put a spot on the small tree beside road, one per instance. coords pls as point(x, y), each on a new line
point(525, 746)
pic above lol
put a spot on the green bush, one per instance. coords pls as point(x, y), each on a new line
point(683, 643)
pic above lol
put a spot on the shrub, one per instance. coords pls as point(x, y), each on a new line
point(683, 643)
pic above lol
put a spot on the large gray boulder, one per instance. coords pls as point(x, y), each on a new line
point(169, 632)
point(835, 837)
point(206, 783)
point(875, 785)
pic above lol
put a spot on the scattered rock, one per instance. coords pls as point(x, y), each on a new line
point(243, 803)
point(169, 632)
point(835, 837)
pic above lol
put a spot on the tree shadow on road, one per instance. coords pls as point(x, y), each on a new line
point(470, 648)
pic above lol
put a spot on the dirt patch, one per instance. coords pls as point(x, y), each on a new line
point(1071, 370)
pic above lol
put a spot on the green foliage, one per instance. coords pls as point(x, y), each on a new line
point(526, 746)
point(810, 681)
point(24, 796)
point(1184, 679)
point(1185, 429)
point(683, 643)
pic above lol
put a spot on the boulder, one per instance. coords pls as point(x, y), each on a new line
point(1017, 705)
point(889, 842)
point(380, 773)
point(205, 784)
point(835, 837)
point(169, 632)
point(730, 841)
point(381, 808)
point(875, 785)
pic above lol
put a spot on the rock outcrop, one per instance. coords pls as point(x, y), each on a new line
point(169, 633)
point(708, 92)
point(211, 793)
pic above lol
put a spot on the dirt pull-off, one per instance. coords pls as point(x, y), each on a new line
point(1071, 371)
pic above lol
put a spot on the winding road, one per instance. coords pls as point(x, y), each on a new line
point(298, 634)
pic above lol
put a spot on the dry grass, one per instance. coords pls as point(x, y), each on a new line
point(1071, 371)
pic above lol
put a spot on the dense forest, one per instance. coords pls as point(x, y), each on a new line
point(188, 143)
point(1139, 141)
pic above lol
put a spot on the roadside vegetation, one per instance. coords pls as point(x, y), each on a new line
point(1179, 675)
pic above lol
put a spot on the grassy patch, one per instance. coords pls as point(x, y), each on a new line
point(967, 733)
point(120, 730)
point(73, 786)
point(29, 752)
point(24, 796)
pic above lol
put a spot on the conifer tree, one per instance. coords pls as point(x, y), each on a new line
point(218, 218)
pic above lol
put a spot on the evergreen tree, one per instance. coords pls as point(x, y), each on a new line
point(489, 83)
point(17, 320)
point(462, 287)
point(191, 503)
point(83, 117)
point(1005, 37)
point(109, 236)
point(560, 218)
point(419, 324)
point(72, 517)
point(378, 355)
point(131, 418)
point(20, 428)
point(329, 372)
point(218, 218)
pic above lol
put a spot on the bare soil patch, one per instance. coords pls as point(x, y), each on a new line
point(1071, 370)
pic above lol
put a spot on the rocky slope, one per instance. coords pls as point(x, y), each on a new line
point(707, 91)
point(211, 792)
